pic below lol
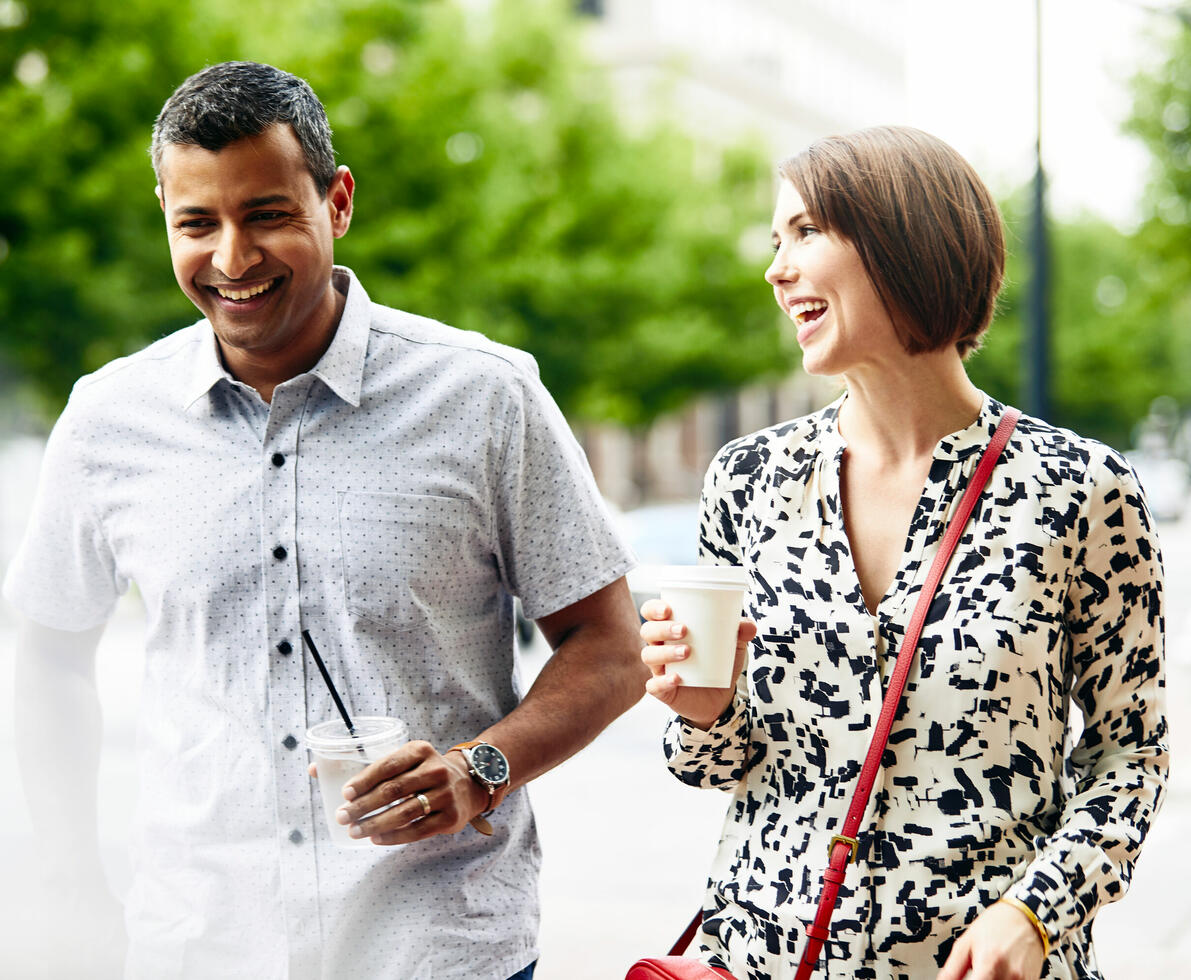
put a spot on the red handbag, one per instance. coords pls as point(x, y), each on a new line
point(841, 850)
point(675, 967)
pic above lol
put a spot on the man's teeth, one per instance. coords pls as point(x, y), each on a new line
point(799, 310)
point(241, 294)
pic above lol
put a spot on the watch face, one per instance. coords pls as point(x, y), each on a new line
point(489, 762)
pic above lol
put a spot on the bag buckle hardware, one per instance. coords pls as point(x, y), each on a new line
point(852, 842)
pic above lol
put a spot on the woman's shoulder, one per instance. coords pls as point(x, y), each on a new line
point(1063, 455)
point(793, 440)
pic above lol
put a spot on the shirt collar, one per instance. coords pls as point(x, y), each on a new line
point(207, 369)
point(341, 368)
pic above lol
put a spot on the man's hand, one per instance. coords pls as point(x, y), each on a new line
point(1001, 944)
point(451, 794)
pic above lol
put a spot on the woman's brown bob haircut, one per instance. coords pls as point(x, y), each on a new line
point(925, 226)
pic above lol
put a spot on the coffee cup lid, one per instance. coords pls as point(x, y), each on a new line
point(370, 730)
point(702, 576)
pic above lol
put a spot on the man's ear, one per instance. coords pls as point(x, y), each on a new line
point(339, 201)
point(160, 196)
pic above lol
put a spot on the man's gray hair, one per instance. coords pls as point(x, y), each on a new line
point(235, 99)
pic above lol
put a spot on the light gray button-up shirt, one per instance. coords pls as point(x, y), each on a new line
point(392, 501)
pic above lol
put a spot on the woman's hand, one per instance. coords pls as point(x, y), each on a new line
point(1001, 944)
point(701, 706)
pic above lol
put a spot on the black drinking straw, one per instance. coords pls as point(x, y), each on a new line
point(351, 729)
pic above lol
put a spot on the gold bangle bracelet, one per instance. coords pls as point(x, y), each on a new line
point(1028, 912)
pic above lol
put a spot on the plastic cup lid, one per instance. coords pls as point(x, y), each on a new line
point(370, 730)
point(702, 576)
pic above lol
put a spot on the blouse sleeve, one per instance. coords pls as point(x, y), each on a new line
point(1115, 631)
point(715, 757)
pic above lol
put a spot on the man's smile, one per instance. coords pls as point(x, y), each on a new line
point(241, 294)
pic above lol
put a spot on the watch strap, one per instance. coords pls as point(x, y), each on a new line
point(480, 821)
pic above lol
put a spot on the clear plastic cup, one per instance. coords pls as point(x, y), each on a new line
point(340, 756)
point(708, 600)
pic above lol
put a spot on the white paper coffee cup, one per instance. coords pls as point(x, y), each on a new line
point(708, 600)
point(340, 756)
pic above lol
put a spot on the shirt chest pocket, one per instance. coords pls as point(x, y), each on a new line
point(404, 557)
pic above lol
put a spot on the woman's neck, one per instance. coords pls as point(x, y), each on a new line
point(902, 411)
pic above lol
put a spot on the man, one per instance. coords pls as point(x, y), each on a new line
point(304, 460)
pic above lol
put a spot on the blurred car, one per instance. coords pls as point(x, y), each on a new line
point(663, 534)
point(659, 534)
point(1165, 480)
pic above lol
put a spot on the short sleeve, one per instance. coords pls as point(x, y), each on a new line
point(64, 573)
point(555, 538)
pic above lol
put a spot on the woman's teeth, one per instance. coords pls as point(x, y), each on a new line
point(799, 312)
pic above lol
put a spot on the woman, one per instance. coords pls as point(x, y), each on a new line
point(995, 830)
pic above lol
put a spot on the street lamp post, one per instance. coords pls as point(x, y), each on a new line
point(1036, 348)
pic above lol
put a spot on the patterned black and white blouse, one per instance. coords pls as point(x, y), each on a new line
point(1029, 755)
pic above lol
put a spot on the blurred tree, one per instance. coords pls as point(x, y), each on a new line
point(1161, 118)
point(1114, 346)
point(497, 191)
point(84, 274)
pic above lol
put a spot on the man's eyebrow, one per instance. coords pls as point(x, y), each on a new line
point(260, 202)
point(252, 202)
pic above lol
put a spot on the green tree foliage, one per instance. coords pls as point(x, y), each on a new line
point(1114, 346)
point(1162, 120)
point(496, 190)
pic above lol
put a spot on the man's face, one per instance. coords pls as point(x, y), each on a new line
point(252, 242)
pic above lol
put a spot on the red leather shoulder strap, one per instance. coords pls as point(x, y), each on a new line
point(843, 846)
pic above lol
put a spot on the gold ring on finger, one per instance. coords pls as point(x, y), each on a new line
point(421, 798)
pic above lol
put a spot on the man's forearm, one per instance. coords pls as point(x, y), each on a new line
point(594, 676)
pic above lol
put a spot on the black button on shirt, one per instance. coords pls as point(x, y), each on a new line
point(279, 552)
point(278, 459)
point(290, 742)
point(284, 648)
point(295, 836)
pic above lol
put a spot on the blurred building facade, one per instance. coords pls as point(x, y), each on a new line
point(780, 72)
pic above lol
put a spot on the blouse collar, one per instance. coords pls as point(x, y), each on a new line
point(807, 448)
point(955, 445)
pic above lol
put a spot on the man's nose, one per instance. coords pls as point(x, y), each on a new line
point(235, 253)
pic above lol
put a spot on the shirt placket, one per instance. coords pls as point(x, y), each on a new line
point(287, 695)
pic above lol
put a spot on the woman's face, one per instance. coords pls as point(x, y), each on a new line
point(821, 284)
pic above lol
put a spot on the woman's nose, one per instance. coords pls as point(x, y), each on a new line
point(781, 269)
